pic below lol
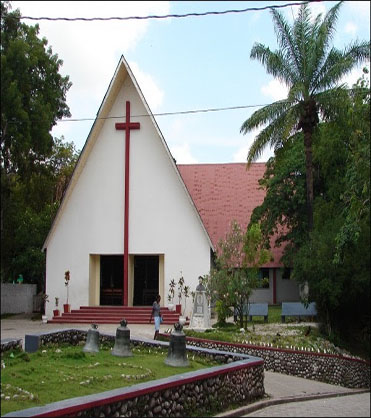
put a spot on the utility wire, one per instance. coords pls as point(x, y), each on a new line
point(91, 19)
point(184, 112)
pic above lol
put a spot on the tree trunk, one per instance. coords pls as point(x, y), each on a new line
point(309, 177)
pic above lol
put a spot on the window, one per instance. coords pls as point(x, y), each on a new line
point(286, 274)
point(264, 277)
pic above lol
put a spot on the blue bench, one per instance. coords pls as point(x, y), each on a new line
point(297, 309)
point(255, 309)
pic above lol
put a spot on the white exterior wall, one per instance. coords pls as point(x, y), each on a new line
point(287, 290)
point(162, 219)
point(264, 295)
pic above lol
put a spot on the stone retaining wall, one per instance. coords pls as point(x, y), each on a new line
point(239, 380)
point(10, 344)
point(328, 368)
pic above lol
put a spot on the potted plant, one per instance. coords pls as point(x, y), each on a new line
point(180, 293)
point(56, 310)
point(44, 317)
point(170, 296)
point(66, 306)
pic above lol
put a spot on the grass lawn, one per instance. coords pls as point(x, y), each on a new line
point(55, 373)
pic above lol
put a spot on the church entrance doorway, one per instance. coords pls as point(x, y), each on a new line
point(146, 279)
point(111, 279)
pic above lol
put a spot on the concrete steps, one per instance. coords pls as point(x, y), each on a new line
point(113, 315)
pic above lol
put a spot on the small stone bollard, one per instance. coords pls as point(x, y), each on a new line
point(177, 355)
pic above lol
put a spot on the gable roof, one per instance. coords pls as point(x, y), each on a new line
point(122, 71)
point(226, 192)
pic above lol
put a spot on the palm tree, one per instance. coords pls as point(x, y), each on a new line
point(311, 70)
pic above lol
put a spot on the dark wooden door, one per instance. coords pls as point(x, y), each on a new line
point(111, 279)
point(146, 280)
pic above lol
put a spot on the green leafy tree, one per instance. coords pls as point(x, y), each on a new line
point(311, 69)
point(35, 168)
point(33, 95)
point(236, 274)
point(355, 194)
point(31, 207)
point(283, 211)
point(335, 259)
point(337, 269)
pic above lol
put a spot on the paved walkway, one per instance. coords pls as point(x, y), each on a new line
point(288, 396)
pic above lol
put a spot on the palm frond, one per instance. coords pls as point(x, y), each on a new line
point(285, 39)
point(274, 62)
point(296, 92)
point(302, 31)
point(275, 134)
point(265, 115)
point(331, 102)
point(323, 37)
point(330, 20)
point(318, 49)
point(292, 117)
point(340, 63)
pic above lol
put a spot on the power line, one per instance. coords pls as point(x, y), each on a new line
point(184, 112)
point(91, 19)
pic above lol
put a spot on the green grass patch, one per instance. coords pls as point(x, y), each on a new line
point(55, 373)
point(274, 314)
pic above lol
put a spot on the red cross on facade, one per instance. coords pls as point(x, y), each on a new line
point(127, 126)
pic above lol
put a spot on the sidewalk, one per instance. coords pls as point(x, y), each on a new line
point(286, 394)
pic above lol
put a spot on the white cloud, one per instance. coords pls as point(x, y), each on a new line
point(240, 156)
point(90, 50)
point(354, 75)
point(361, 8)
point(182, 154)
point(351, 28)
point(151, 91)
point(275, 89)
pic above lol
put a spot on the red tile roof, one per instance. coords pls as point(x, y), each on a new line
point(226, 192)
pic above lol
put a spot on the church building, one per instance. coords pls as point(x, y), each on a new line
point(131, 220)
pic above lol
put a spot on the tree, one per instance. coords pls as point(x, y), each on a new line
point(311, 70)
point(30, 209)
point(283, 211)
point(33, 95)
point(335, 259)
point(237, 266)
point(338, 268)
point(35, 168)
point(355, 195)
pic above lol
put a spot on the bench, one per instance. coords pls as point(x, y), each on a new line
point(297, 309)
point(255, 309)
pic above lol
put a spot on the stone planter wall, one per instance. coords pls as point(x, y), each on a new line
point(238, 380)
point(10, 344)
point(329, 368)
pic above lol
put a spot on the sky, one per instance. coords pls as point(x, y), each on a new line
point(181, 64)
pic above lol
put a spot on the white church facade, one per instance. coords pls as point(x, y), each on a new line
point(127, 224)
point(165, 236)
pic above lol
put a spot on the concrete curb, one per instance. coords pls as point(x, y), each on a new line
point(244, 410)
